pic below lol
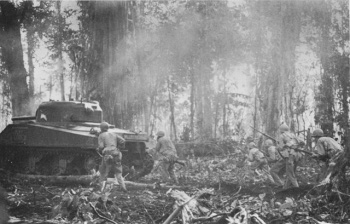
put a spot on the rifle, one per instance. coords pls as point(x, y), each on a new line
point(264, 134)
point(272, 138)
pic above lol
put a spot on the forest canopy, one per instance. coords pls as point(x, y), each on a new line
point(196, 69)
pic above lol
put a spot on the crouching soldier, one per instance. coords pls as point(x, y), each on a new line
point(258, 160)
point(327, 149)
point(272, 154)
point(109, 143)
point(167, 156)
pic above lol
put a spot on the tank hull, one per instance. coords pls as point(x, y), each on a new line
point(63, 148)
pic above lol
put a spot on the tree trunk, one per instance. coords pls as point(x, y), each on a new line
point(12, 56)
point(326, 103)
point(192, 102)
point(199, 105)
point(60, 50)
point(107, 73)
point(224, 108)
point(255, 107)
point(216, 118)
point(279, 82)
point(290, 30)
point(30, 55)
point(172, 110)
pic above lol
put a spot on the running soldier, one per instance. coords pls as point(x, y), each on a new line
point(167, 157)
point(108, 144)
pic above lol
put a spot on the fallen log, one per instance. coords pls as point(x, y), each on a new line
point(86, 180)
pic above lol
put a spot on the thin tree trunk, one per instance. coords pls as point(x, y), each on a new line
point(224, 116)
point(172, 110)
point(30, 55)
point(216, 119)
point(192, 102)
point(60, 50)
point(255, 106)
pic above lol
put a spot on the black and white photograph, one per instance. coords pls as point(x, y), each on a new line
point(174, 111)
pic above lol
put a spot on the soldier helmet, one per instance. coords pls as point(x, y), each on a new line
point(317, 133)
point(251, 145)
point(160, 133)
point(268, 142)
point(284, 128)
point(104, 126)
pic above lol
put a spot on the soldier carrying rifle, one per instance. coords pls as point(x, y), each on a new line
point(289, 155)
point(327, 149)
point(258, 160)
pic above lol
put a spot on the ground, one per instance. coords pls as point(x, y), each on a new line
point(226, 186)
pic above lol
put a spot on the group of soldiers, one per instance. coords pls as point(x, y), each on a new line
point(280, 161)
point(109, 145)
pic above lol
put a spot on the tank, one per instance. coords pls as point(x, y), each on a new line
point(61, 139)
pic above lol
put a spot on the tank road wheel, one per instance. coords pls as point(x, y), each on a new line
point(4, 161)
point(76, 171)
point(147, 166)
point(91, 164)
point(32, 160)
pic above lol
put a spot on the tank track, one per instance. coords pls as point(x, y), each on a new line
point(51, 162)
point(140, 171)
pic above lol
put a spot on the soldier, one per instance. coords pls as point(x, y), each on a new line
point(108, 143)
point(278, 165)
point(258, 159)
point(326, 150)
point(272, 155)
point(167, 156)
point(288, 144)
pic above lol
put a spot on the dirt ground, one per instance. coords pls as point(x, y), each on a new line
point(229, 187)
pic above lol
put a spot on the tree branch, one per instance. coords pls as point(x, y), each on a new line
point(100, 216)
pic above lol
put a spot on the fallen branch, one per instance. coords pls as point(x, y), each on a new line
point(209, 217)
point(144, 207)
point(336, 191)
point(239, 190)
point(99, 215)
point(177, 210)
point(86, 180)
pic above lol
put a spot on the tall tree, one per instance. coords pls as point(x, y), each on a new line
point(59, 45)
point(333, 95)
point(277, 80)
point(12, 57)
point(35, 23)
point(106, 73)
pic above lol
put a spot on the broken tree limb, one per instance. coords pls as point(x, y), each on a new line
point(86, 180)
point(82, 179)
point(100, 216)
point(177, 211)
point(185, 204)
